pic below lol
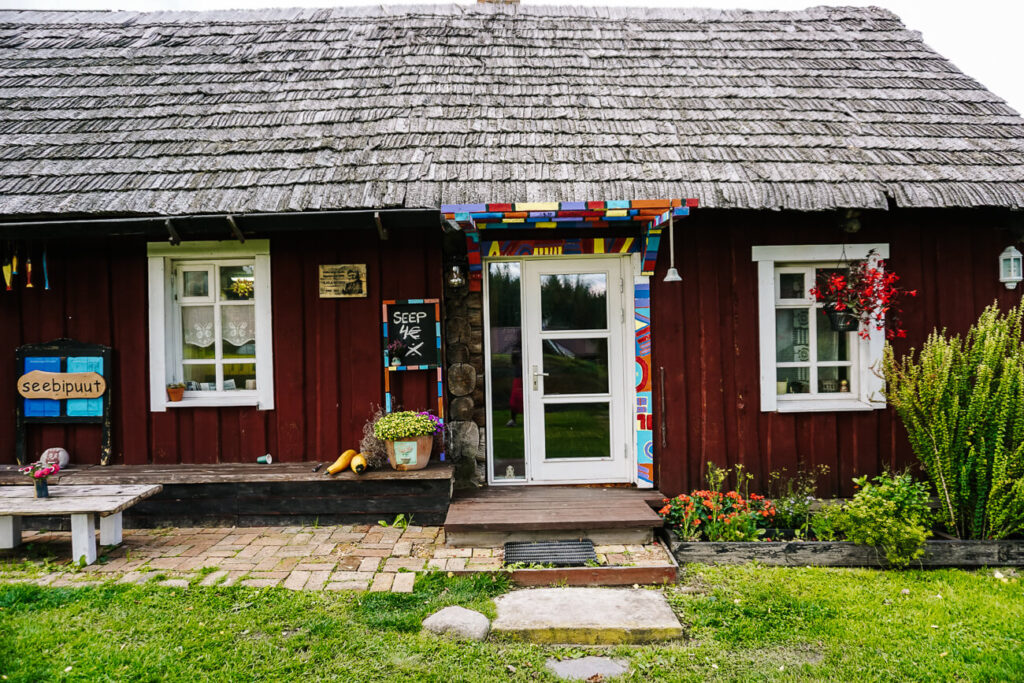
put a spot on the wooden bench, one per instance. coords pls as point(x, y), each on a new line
point(83, 503)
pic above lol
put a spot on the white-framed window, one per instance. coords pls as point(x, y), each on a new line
point(806, 364)
point(210, 324)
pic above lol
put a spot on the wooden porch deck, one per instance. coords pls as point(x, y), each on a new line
point(606, 515)
point(248, 494)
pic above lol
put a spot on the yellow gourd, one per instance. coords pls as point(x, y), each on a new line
point(359, 463)
point(342, 462)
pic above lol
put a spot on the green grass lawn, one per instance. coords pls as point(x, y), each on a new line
point(745, 623)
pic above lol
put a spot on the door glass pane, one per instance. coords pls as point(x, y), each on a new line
point(832, 345)
point(238, 329)
point(793, 381)
point(833, 380)
point(574, 302)
point(239, 376)
point(197, 332)
point(506, 420)
point(196, 283)
point(576, 430)
point(200, 377)
point(792, 338)
point(236, 283)
point(792, 286)
point(575, 366)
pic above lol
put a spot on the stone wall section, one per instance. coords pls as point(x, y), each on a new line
point(467, 413)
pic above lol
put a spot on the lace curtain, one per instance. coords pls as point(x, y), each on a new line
point(238, 325)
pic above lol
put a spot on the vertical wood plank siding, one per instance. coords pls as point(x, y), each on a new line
point(706, 338)
point(327, 361)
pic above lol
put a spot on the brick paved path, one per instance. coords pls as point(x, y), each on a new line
point(343, 557)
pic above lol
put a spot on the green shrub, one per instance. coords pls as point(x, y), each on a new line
point(794, 496)
point(962, 403)
point(891, 513)
point(826, 522)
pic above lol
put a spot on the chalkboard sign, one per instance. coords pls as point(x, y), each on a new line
point(412, 334)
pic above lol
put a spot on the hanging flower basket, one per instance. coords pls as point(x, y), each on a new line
point(842, 321)
point(867, 296)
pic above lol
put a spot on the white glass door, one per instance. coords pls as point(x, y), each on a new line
point(574, 375)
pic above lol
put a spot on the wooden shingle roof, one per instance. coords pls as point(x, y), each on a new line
point(418, 106)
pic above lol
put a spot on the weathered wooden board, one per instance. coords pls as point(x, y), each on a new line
point(222, 473)
point(841, 554)
point(541, 508)
point(61, 385)
point(64, 500)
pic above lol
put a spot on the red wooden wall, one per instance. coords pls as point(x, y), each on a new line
point(327, 359)
point(706, 339)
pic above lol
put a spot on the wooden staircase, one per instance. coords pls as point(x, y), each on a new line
point(606, 515)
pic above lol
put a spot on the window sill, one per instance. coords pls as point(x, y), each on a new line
point(232, 402)
point(818, 405)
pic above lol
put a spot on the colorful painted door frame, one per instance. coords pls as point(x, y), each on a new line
point(650, 215)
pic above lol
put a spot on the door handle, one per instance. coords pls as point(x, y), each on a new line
point(536, 375)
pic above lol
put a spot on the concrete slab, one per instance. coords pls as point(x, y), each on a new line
point(586, 616)
point(587, 668)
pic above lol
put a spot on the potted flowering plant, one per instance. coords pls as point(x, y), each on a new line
point(39, 471)
point(408, 437)
point(862, 296)
point(396, 352)
point(175, 392)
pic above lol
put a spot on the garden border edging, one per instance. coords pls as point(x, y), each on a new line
point(956, 553)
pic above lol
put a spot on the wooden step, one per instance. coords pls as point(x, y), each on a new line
point(495, 515)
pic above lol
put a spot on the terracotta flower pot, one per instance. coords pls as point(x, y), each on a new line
point(175, 394)
point(410, 454)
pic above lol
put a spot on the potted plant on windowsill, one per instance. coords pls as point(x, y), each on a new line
point(864, 295)
point(175, 392)
point(39, 471)
point(408, 437)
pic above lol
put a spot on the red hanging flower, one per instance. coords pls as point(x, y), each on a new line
point(868, 292)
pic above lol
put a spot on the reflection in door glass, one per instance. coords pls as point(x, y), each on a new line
point(506, 420)
point(577, 301)
point(575, 366)
point(576, 430)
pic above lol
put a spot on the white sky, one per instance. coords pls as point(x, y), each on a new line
point(982, 37)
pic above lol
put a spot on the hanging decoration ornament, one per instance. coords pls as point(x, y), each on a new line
point(7, 268)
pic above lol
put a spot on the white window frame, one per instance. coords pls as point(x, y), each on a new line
point(866, 389)
point(165, 322)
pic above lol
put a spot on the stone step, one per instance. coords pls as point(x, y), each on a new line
point(586, 616)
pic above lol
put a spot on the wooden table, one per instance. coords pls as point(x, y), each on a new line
point(83, 503)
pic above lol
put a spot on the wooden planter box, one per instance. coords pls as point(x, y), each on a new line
point(842, 554)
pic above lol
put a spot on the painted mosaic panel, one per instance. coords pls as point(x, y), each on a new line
point(644, 395)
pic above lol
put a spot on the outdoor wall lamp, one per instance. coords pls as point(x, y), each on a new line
point(1011, 267)
point(671, 275)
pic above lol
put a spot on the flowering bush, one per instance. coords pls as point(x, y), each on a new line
point(39, 470)
point(406, 424)
point(868, 293)
point(718, 516)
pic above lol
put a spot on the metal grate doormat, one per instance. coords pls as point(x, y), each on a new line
point(557, 553)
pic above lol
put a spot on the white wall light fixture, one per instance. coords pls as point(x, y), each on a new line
point(1011, 267)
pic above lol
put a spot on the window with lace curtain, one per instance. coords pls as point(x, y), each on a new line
point(210, 323)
